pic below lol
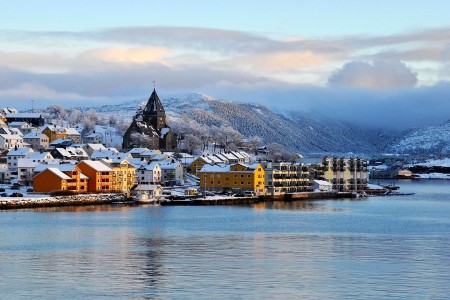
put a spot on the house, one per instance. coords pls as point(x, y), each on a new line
point(124, 174)
point(38, 141)
point(322, 186)
point(149, 154)
point(23, 127)
point(70, 153)
point(149, 173)
point(171, 172)
point(59, 178)
point(90, 148)
point(136, 152)
point(73, 134)
point(8, 141)
point(61, 143)
point(149, 127)
point(100, 176)
point(54, 132)
point(26, 167)
point(238, 177)
point(14, 155)
point(35, 119)
point(5, 173)
point(3, 123)
point(93, 138)
point(199, 162)
point(104, 153)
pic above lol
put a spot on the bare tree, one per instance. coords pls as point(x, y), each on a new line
point(278, 152)
point(138, 140)
point(254, 142)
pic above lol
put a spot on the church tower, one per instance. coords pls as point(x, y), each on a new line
point(154, 113)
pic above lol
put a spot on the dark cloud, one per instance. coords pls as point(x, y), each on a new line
point(380, 75)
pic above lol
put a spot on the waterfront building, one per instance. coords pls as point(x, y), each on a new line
point(227, 157)
point(100, 176)
point(149, 127)
point(286, 177)
point(59, 177)
point(236, 177)
point(124, 174)
point(149, 173)
point(321, 186)
point(172, 172)
point(346, 174)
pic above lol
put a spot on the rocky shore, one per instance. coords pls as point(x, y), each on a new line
point(74, 200)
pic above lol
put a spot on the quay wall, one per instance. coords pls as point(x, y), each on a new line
point(72, 200)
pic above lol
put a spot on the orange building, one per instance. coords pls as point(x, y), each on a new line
point(100, 176)
point(59, 178)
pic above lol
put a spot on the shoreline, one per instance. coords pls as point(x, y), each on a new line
point(73, 200)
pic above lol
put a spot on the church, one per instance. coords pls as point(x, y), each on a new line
point(149, 128)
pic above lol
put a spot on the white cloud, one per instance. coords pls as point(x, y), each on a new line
point(381, 75)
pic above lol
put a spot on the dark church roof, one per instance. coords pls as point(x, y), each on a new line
point(154, 104)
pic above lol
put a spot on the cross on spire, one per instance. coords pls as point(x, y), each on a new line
point(154, 84)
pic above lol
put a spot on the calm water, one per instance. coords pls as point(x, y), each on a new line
point(377, 248)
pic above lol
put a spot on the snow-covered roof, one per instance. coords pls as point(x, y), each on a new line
point(19, 151)
point(97, 165)
point(24, 115)
point(18, 123)
point(150, 152)
point(93, 135)
point(160, 157)
point(72, 131)
point(61, 141)
point(76, 151)
point(323, 182)
point(150, 166)
point(39, 155)
point(95, 146)
point(62, 167)
point(104, 153)
point(27, 163)
point(169, 164)
point(60, 174)
point(215, 168)
point(138, 150)
point(147, 187)
point(35, 135)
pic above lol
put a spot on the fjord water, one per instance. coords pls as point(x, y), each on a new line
point(375, 248)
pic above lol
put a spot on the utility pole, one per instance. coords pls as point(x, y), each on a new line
point(32, 106)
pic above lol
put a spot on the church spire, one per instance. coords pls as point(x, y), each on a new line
point(154, 105)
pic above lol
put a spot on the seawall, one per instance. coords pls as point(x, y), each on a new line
point(74, 200)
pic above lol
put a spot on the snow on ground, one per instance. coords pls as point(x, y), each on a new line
point(433, 176)
point(436, 163)
point(23, 190)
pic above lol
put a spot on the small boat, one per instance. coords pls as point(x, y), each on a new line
point(145, 198)
point(147, 193)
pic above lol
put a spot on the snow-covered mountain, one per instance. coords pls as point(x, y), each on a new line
point(433, 139)
point(297, 131)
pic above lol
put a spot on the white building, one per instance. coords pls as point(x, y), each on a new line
point(172, 172)
point(5, 173)
point(14, 155)
point(25, 167)
point(8, 141)
point(322, 186)
point(149, 173)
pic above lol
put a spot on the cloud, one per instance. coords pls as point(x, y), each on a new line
point(382, 75)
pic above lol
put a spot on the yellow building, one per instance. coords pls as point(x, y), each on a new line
point(54, 133)
point(199, 162)
point(237, 177)
point(124, 174)
point(346, 174)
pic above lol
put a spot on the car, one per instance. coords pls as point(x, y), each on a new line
point(2, 190)
point(15, 187)
point(29, 190)
point(4, 194)
point(16, 194)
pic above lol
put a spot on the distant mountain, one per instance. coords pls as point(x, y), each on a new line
point(297, 131)
point(433, 139)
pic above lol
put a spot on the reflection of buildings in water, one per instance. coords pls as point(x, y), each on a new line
point(84, 208)
point(295, 205)
point(153, 267)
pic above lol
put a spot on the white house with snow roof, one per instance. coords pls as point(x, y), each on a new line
point(172, 172)
point(104, 153)
point(26, 166)
point(8, 141)
point(73, 134)
point(93, 138)
point(14, 155)
point(5, 173)
point(90, 148)
point(149, 173)
point(136, 152)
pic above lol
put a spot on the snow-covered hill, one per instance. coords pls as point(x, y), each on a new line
point(298, 131)
point(433, 139)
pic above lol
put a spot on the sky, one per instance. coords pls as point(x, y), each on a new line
point(382, 64)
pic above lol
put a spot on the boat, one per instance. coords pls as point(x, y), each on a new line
point(147, 193)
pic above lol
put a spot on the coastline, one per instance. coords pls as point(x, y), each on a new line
point(73, 200)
